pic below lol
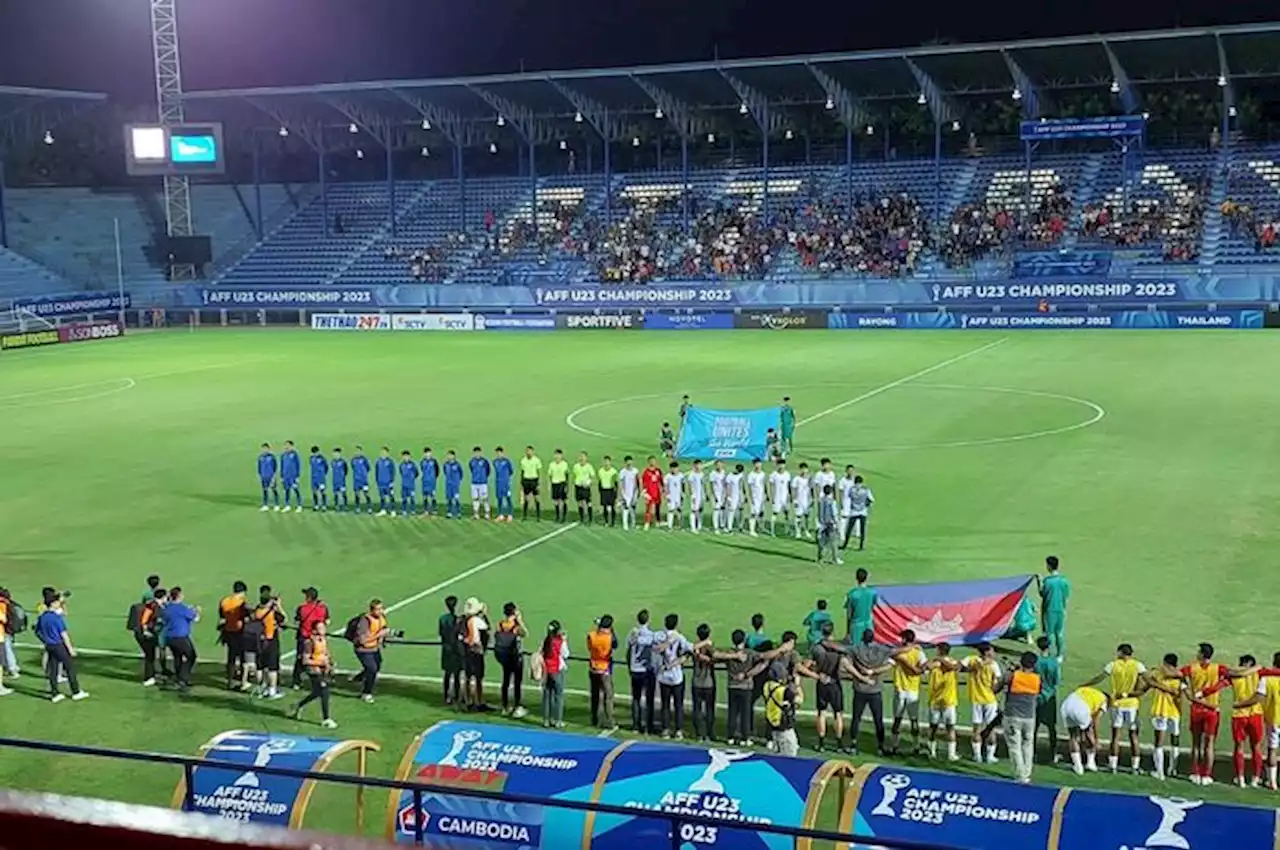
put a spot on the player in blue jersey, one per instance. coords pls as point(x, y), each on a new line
point(267, 467)
point(319, 479)
point(339, 466)
point(430, 475)
point(452, 485)
point(503, 472)
point(408, 484)
point(360, 468)
point(290, 473)
point(384, 471)
point(480, 470)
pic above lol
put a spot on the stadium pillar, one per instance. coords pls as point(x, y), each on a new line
point(684, 182)
point(1226, 119)
point(1027, 174)
point(4, 225)
point(460, 176)
point(324, 191)
point(764, 157)
point(848, 161)
point(608, 185)
point(257, 185)
point(391, 187)
point(808, 151)
point(937, 172)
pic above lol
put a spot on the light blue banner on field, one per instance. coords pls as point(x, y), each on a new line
point(725, 434)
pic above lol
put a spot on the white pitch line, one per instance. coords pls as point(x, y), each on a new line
point(466, 574)
point(869, 394)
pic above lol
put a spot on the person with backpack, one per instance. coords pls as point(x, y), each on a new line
point(555, 661)
point(13, 621)
point(318, 662)
point(601, 643)
point(507, 650)
point(370, 635)
point(450, 651)
point(144, 622)
point(473, 632)
point(643, 676)
point(781, 698)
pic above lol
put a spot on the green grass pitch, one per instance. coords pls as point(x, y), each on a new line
point(986, 453)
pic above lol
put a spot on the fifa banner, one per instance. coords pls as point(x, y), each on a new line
point(737, 787)
point(1027, 320)
point(242, 794)
point(726, 434)
point(962, 613)
point(74, 304)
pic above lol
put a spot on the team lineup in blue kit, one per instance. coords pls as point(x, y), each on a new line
point(329, 491)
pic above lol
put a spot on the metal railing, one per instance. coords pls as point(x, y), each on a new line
point(421, 790)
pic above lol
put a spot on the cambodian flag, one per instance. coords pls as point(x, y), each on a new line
point(961, 613)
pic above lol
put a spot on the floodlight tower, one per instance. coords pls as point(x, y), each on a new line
point(168, 69)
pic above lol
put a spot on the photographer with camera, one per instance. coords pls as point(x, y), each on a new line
point(262, 642)
point(370, 635)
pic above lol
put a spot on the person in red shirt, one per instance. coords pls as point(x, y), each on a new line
point(651, 483)
point(309, 613)
point(1205, 680)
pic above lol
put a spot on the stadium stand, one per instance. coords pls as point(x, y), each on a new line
point(20, 276)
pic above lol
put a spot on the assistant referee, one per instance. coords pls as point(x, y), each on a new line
point(530, 475)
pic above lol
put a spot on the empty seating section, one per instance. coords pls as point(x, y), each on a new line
point(225, 213)
point(21, 277)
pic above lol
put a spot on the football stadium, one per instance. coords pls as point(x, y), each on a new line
point(656, 456)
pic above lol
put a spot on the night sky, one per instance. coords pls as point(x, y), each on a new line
point(104, 45)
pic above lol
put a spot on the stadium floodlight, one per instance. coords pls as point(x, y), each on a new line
point(1222, 81)
point(1146, 116)
point(1231, 111)
point(1017, 93)
point(635, 141)
point(493, 147)
point(564, 146)
point(871, 130)
point(359, 153)
point(426, 151)
point(789, 135)
point(352, 128)
point(657, 113)
point(426, 124)
point(283, 132)
point(1115, 87)
point(921, 99)
point(48, 137)
point(711, 138)
point(577, 117)
point(831, 104)
point(955, 126)
point(502, 122)
point(742, 108)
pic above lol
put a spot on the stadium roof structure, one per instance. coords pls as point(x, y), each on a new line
point(854, 86)
point(26, 114)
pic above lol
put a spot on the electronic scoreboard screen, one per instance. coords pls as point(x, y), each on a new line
point(152, 149)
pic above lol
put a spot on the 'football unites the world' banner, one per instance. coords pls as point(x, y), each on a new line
point(726, 434)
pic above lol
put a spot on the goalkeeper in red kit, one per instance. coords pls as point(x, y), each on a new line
point(651, 483)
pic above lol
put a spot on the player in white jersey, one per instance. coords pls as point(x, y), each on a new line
point(732, 497)
point(843, 488)
point(779, 496)
point(756, 481)
point(823, 477)
point(801, 500)
point(629, 490)
point(674, 483)
point(719, 498)
point(696, 493)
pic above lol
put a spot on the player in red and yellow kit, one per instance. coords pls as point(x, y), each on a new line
point(1246, 719)
point(1203, 679)
point(1166, 686)
point(651, 483)
point(1269, 692)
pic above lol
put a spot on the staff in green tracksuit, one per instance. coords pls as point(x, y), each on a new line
point(1055, 590)
point(858, 606)
point(787, 424)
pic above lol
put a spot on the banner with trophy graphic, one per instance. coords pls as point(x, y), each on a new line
point(1092, 819)
point(244, 794)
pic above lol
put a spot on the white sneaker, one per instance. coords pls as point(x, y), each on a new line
point(993, 760)
point(79, 695)
point(147, 683)
point(755, 534)
point(839, 561)
point(1239, 781)
point(329, 723)
point(287, 508)
point(264, 509)
point(1256, 783)
point(275, 695)
point(520, 712)
point(382, 513)
point(1195, 780)
point(4, 692)
point(276, 509)
point(366, 697)
point(1206, 780)
point(57, 698)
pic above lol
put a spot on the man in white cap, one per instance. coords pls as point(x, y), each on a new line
point(475, 640)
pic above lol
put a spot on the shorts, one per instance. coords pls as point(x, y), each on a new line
point(386, 490)
point(268, 483)
point(581, 494)
point(1273, 737)
point(269, 655)
point(608, 496)
point(361, 488)
point(757, 507)
point(733, 505)
point(984, 713)
point(674, 503)
point(560, 490)
point(945, 716)
point(719, 502)
point(695, 506)
point(1247, 729)
point(1204, 721)
point(235, 647)
point(1172, 725)
point(906, 704)
point(802, 510)
point(317, 487)
point(529, 486)
point(830, 697)
point(1075, 713)
point(780, 507)
point(289, 484)
point(473, 664)
point(629, 499)
point(1124, 718)
point(479, 492)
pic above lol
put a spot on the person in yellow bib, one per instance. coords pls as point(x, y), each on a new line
point(944, 695)
point(908, 668)
point(1125, 673)
point(607, 475)
point(318, 663)
point(530, 478)
point(984, 675)
point(584, 475)
point(1269, 690)
point(1080, 712)
point(1167, 689)
point(558, 475)
point(1246, 719)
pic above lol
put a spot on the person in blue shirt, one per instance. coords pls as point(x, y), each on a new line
point(360, 467)
point(452, 485)
point(480, 470)
point(290, 473)
point(430, 475)
point(178, 618)
point(503, 472)
point(408, 484)
point(339, 467)
point(51, 631)
point(385, 474)
point(267, 468)
point(319, 479)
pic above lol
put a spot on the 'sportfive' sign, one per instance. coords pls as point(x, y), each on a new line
point(350, 322)
point(588, 321)
point(776, 320)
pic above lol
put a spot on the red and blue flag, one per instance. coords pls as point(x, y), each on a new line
point(962, 613)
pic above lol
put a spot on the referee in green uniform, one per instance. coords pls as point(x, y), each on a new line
point(607, 475)
point(530, 476)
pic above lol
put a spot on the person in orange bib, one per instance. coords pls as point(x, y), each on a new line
point(601, 642)
point(1204, 679)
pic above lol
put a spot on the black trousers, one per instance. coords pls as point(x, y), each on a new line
point(704, 712)
point(319, 691)
point(184, 659)
point(512, 680)
point(370, 665)
point(860, 523)
point(60, 660)
point(875, 702)
point(1047, 716)
point(642, 690)
point(148, 644)
point(672, 708)
point(739, 714)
